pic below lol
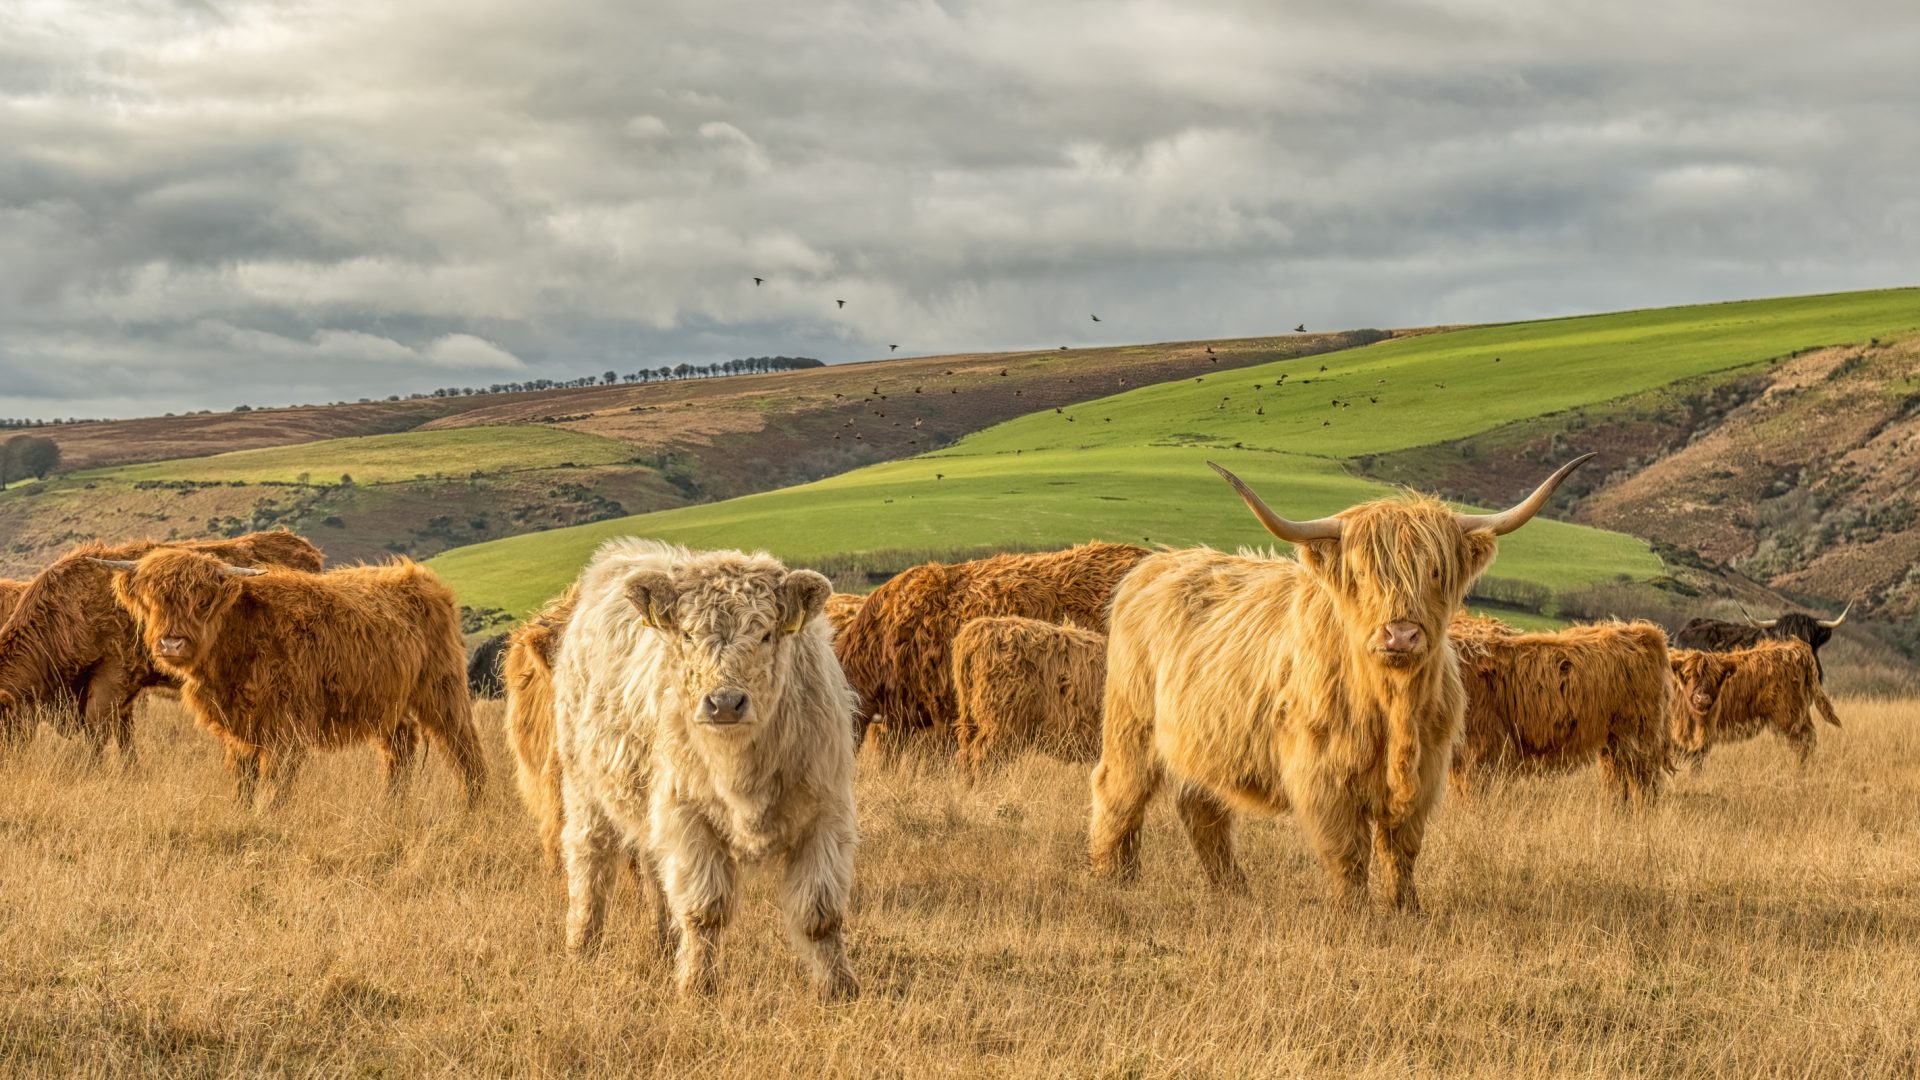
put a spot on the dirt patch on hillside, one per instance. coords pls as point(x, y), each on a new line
point(1797, 474)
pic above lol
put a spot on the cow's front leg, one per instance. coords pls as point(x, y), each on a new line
point(397, 752)
point(698, 873)
point(814, 894)
point(1397, 843)
point(244, 763)
point(589, 849)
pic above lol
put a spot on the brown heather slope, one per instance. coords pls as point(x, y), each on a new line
point(1786, 484)
point(157, 438)
point(693, 440)
point(755, 432)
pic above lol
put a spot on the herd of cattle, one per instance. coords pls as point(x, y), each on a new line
point(682, 713)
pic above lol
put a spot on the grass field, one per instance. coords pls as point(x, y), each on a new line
point(1132, 465)
point(1758, 922)
point(374, 459)
point(1148, 495)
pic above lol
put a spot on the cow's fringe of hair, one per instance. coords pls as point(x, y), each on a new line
point(1380, 536)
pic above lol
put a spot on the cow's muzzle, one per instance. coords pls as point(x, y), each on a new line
point(723, 707)
point(1399, 641)
point(1701, 703)
point(171, 648)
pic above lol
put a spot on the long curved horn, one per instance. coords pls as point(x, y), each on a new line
point(1507, 520)
point(1766, 624)
point(239, 571)
point(1831, 623)
point(115, 564)
point(1293, 532)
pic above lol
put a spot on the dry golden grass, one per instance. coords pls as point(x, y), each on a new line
point(1759, 922)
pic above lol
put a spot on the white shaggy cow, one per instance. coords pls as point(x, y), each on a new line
point(701, 716)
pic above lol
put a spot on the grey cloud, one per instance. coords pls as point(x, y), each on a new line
point(375, 198)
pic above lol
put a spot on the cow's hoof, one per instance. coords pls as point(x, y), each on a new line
point(840, 988)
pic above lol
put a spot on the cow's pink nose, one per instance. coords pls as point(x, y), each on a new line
point(1401, 637)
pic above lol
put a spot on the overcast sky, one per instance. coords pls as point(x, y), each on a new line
point(208, 203)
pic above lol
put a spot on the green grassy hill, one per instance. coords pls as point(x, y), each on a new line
point(378, 459)
point(1132, 466)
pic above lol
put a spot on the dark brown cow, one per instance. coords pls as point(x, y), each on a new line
point(68, 644)
point(1715, 635)
point(278, 663)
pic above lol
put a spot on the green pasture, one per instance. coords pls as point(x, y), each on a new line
point(1132, 467)
point(374, 459)
point(1435, 387)
point(1151, 495)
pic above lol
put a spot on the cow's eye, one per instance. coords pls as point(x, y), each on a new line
point(766, 637)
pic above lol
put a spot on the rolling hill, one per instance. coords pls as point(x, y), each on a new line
point(429, 474)
point(1130, 465)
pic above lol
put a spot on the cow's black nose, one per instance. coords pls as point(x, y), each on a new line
point(724, 705)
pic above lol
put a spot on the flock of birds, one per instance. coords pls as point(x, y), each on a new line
point(1260, 409)
point(840, 305)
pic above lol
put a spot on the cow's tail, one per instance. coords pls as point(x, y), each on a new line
point(1824, 703)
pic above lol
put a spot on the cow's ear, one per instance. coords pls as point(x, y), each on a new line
point(1477, 549)
point(654, 594)
point(803, 594)
point(1320, 556)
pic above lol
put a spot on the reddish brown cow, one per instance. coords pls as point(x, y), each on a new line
point(1557, 702)
point(1024, 683)
point(841, 608)
point(897, 650)
point(528, 669)
point(9, 597)
point(278, 663)
point(68, 643)
point(1729, 697)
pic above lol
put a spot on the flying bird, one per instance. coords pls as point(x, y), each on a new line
point(1096, 318)
point(1323, 367)
point(1209, 350)
point(893, 348)
point(1063, 348)
point(757, 282)
point(1301, 329)
point(939, 476)
point(842, 303)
